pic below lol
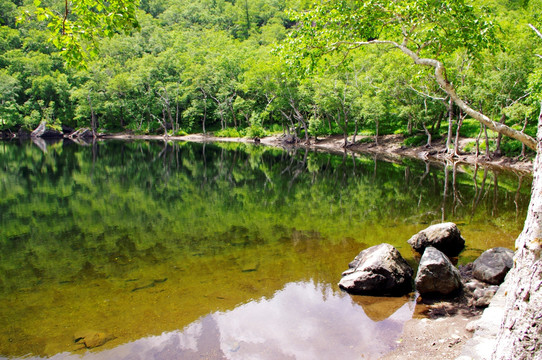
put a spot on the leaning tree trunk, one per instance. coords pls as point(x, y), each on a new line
point(520, 336)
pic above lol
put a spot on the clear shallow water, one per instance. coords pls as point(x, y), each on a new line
point(284, 326)
point(224, 251)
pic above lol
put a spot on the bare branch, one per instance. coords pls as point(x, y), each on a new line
point(536, 31)
point(427, 95)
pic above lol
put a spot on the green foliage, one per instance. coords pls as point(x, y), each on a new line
point(316, 127)
point(230, 133)
point(208, 66)
point(470, 128)
point(255, 130)
point(180, 132)
point(76, 30)
point(414, 141)
point(471, 147)
point(430, 28)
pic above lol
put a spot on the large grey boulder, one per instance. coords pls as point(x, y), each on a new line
point(493, 265)
point(444, 237)
point(378, 270)
point(436, 274)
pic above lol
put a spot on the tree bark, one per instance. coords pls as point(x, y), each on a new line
point(499, 138)
point(456, 142)
point(428, 134)
point(92, 117)
point(520, 336)
point(450, 126)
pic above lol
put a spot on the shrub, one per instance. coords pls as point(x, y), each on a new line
point(228, 132)
point(416, 140)
point(255, 131)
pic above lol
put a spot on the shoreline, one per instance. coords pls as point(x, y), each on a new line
point(389, 148)
point(455, 335)
point(446, 337)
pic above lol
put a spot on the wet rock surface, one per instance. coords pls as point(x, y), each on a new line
point(436, 274)
point(378, 270)
point(493, 265)
point(445, 237)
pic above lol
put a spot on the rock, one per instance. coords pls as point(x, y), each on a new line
point(83, 133)
point(378, 270)
point(289, 139)
point(44, 132)
point(473, 285)
point(66, 130)
point(91, 338)
point(493, 265)
point(482, 297)
point(22, 134)
point(436, 274)
point(472, 326)
point(444, 237)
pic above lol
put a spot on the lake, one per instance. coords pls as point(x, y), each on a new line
point(220, 251)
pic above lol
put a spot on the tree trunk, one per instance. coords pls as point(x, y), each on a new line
point(204, 114)
point(487, 142)
point(456, 143)
point(230, 105)
point(355, 131)
point(499, 138)
point(122, 117)
point(435, 128)
point(478, 140)
point(523, 130)
point(520, 336)
point(176, 116)
point(92, 116)
point(428, 134)
point(450, 124)
point(376, 134)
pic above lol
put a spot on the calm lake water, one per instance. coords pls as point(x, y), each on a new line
point(219, 251)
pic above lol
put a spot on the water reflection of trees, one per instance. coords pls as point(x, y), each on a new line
point(177, 193)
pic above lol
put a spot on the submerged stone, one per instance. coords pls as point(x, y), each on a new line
point(90, 338)
point(378, 270)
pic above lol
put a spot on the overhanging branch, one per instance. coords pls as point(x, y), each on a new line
point(440, 77)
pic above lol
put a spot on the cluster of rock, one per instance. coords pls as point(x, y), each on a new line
point(43, 131)
point(381, 270)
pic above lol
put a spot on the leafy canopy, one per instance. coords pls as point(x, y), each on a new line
point(432, 28)
point(75, 30)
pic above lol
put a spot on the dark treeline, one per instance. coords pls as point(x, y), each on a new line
point(210, 66)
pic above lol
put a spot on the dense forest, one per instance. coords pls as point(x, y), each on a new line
point(216, 66)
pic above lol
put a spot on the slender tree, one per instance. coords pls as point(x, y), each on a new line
point(425, 30)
